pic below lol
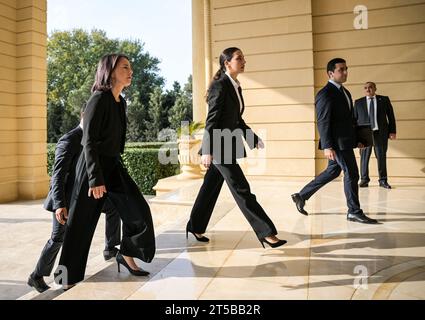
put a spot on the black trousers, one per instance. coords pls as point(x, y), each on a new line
point(345, 161)
point(239, 187)
point(380, 148)
point(48, 255)
point(138, 239)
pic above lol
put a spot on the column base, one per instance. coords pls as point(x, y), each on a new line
point(33, 189)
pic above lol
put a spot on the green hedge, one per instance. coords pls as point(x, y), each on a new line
point(141, 162)
point(144, 167)
point(50, 158)
point(150, 145)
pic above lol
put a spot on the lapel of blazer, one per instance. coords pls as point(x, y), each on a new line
point(379, 106)
point(349, 98)
point(341, 95)
point(232, 91)
point(364, 107)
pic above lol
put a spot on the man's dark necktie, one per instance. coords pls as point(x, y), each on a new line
point(372, 113)
point(240, 95)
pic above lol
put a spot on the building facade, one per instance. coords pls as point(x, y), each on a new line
point(287, 44)
point(23, 85)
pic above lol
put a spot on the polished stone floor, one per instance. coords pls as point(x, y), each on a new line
point(326, 256)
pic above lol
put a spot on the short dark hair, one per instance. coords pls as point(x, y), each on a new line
point(372, 83)
point(332, 64)
point(104, 71)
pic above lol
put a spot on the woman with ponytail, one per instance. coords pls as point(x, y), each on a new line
point(222, 144)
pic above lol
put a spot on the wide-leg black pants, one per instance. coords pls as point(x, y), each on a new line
point(239, 187)
point(138, 239)
point(51, 249)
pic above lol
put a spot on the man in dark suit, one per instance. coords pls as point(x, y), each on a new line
point(337, 138)
point(67, 152)
point(376, 111)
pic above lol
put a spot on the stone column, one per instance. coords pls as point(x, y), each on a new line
point(199, 59)
point(8, 123)
point(31, 98)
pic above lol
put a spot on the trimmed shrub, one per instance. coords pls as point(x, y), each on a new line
point(141, 161)
point(50, 157)
point(144, 167)
point(150, 145)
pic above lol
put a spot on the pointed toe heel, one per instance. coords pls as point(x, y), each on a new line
point(138, 273)
point(271, 244)
point(200, 239)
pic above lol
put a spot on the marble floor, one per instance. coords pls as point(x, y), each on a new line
point(326, 257)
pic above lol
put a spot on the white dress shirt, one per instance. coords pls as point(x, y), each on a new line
point(236, 85)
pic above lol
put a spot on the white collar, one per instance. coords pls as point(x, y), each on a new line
point(235, 83)
point(336, 84)
point(374, 97)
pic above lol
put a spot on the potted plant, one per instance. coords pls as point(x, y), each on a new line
point(189, 146)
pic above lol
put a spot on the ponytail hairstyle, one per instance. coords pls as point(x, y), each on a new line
point(106, 66)
point(226, 55)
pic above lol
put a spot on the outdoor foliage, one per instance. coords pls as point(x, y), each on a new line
point(72, 58)
point(143, 166)
point(182, 108)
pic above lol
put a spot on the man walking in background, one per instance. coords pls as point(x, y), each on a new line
point(377, 111)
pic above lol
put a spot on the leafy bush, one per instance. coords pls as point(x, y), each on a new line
point(151, 145)
point(144, 167)
point(141, 161)
point(50, 157)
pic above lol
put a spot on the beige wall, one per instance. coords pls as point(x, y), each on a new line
point(287, 45)
point(276, 38)
point(391, 52)
point(23, 84)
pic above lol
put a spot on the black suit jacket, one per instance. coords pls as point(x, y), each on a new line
point(335, 120)
point(225, 114)
point(385, 115)
point(104, 132)
point(67, 151)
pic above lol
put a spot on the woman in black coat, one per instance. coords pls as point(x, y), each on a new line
point(100, 173)
point(221, 145)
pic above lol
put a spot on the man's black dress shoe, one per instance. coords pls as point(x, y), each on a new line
point(300, 203)
point(360, 217)
point(363, 184)
point(384, 184)
point(110, 253)
point(37, 283)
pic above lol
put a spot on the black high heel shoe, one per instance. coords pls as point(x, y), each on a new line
point(201, 239)
point(121, 260)
point(273, 245)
